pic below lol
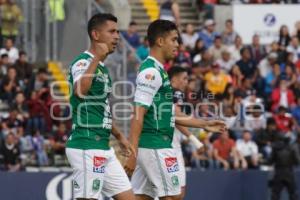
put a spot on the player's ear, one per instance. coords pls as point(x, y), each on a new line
point(160, 41)
point(95, 35)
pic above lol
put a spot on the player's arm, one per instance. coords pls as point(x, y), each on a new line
point(127, 148)
point(190, 136)
point(189, 121)
point(84, 77)
point(148, 83)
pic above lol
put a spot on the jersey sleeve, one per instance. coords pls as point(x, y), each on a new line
point(148, 83)
point(78, 69)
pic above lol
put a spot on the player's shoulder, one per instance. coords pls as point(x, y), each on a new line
point(149, 64)
point(81, 60)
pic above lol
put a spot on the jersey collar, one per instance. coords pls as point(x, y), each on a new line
point(90, 54)
point(157, 62)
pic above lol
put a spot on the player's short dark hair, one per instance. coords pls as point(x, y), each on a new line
point(98, 20)
point(159, 28)
point(176, 70)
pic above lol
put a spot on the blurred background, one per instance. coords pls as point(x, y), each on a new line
point(243, 59)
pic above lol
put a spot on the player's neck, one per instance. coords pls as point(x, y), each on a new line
point(93, 52)
point(157, 55)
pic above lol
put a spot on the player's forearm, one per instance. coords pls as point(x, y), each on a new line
point(116, 132)
point(183, 130)
point(83, 85)
point(189, 121)
point(135, 131)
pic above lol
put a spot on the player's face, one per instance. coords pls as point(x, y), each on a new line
point(108, 34)
point(170, 45)
point(182, 81)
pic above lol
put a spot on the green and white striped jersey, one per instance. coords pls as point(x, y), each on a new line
point(154, 92)
point(91, 115)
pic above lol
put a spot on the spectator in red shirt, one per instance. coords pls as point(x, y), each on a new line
point(282, 96)
point(225, 151)
point(59, 139)
point(284, 121)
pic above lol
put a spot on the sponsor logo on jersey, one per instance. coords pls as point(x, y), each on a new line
point(81, 64)
point(99, 164)
point(172, 164)
point(175, 180)
point(150, 77)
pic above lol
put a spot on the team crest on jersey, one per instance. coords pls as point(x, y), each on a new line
point(172, 164)
point(150, 77)
point(99, 164)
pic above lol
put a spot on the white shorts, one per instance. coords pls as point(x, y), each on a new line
point(182, 172)
point(156, 173)
point(96, 171)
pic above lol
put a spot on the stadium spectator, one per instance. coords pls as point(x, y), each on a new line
point(248, 149)
point(4, 65)
point(217, 48)
point(216, 80)
point(197, 50)
point(284, 121)
point(41, 80)
point(11, 154)
point(297, 30)
point(225, 152)
point(247, 65)
point(294, 48)
point(11, 16)
point(24, 68)
point(10, 86)
point(169, 10)
point(10, 50)
point(11, 123)
point(59, 139)
point(284, 37)
point(296, 114)
point(236, 76)
point(208, 34)
point(183, 57)
point(189, 37)
point(258, 51)
point(143, 50)
point(132, 36)
point(282, 96)
point(225, 62)
point(265, 65)
point(19, 104)
point(39, 148)
point(235, 49)
point(229, 35)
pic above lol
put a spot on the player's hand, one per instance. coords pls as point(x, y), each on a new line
point(215, 128)
point(127, 148)
point(216, 123)
point(101, 51)
point(130, 165)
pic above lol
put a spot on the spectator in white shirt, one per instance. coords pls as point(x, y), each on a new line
point(225, 62)
point(11, 51)
point(236, 48)
point(248, 149)
point(217, 48)
point(190, 37)
point(294, 48)
point(266, 64)
point(229, 34)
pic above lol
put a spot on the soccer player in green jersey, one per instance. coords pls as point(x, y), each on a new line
point(96, 169)
point(155, 169)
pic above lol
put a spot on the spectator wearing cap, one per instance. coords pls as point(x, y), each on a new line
point(225, 62)
point(248, 149)
point(235, 49)
point(132, 36)
point(216, 80)
point(247, 65)
point(208, 34)
point(229, 35)
point(10, 50)
point(282, 96)
point(265, 65)
point(258, 51)
point(217, 48)
point(294, 48)
point(255, 119)
point(189, 37)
